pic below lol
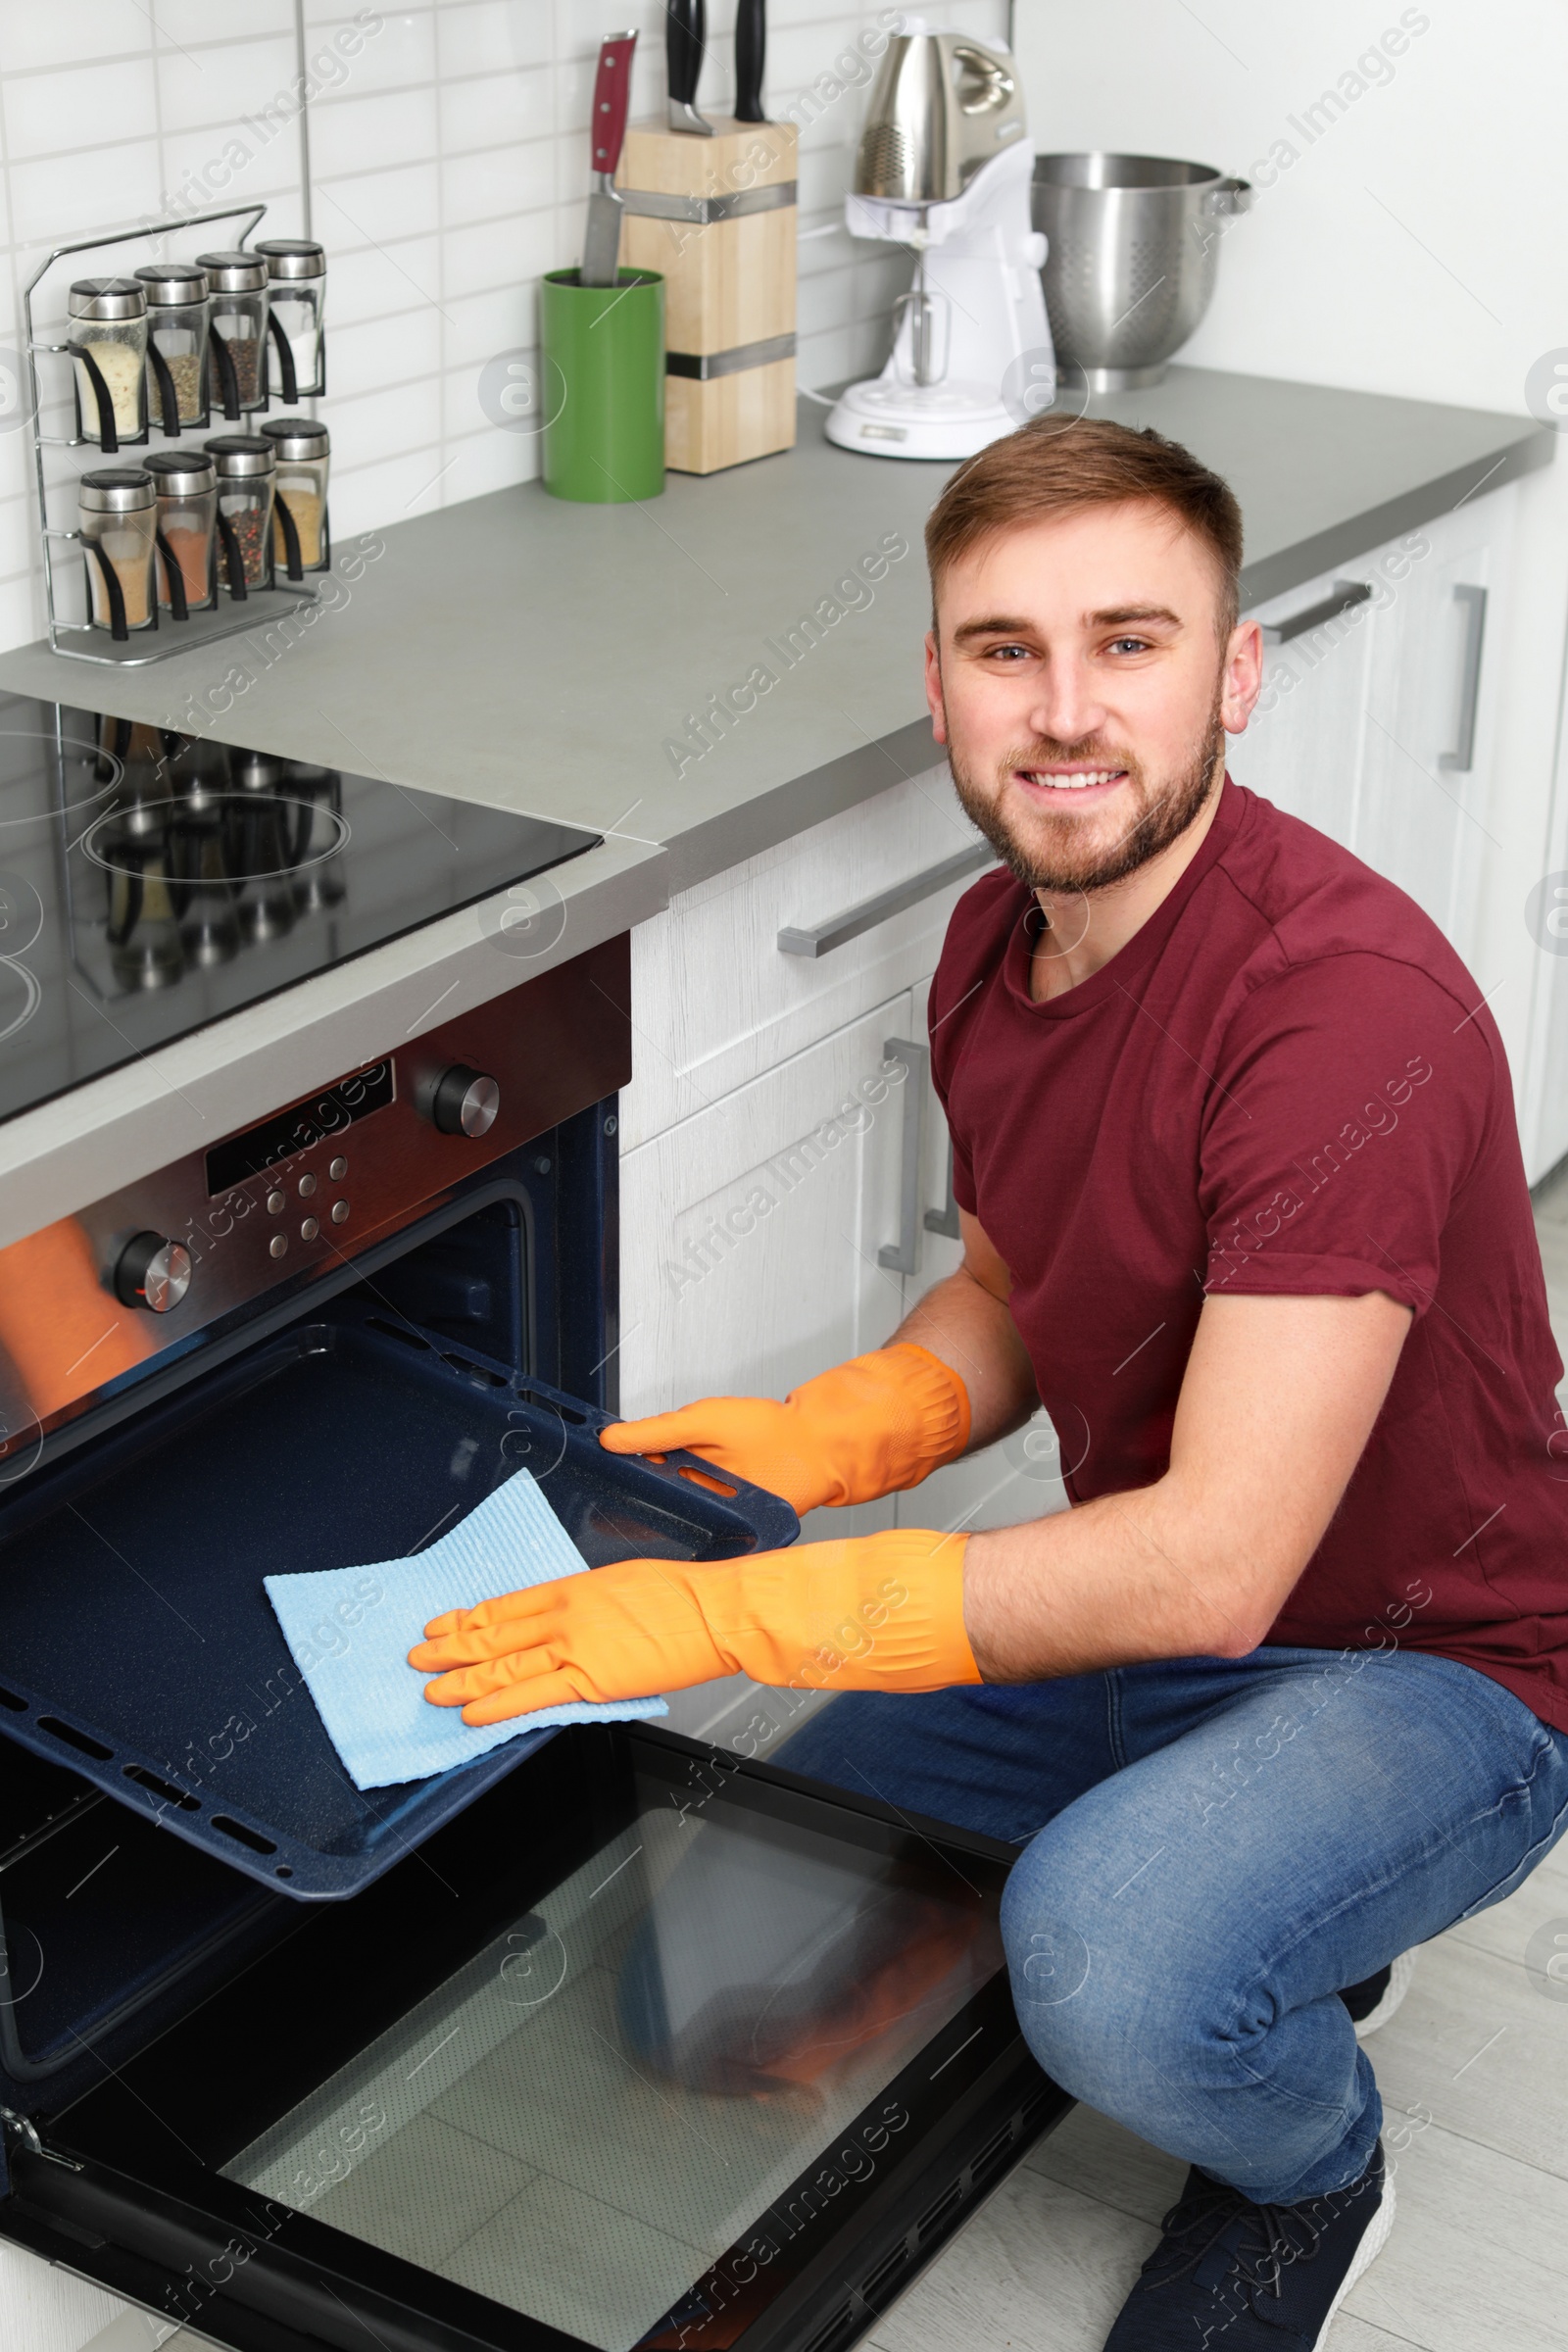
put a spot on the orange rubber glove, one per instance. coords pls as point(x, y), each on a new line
point(881, 1612)
point(867, 1428)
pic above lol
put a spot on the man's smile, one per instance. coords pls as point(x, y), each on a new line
point(1055, 784)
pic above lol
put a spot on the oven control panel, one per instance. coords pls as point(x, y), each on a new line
point(312, 1184)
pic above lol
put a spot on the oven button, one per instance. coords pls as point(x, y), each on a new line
point(338, 1169)
point(152, 1272)
point(276, 1204)
point(278, 1244)
point(309, 1230)
point(306, 1186)
point(465, 1101)
point(340, 1212)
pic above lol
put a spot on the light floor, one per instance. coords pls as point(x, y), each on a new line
point(1474, 2074)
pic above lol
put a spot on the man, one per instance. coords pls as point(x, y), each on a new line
point(1286, 1693)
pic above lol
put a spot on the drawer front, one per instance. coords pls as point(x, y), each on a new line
point(716, 1001)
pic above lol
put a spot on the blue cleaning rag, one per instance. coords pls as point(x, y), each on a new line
point(350, 1631)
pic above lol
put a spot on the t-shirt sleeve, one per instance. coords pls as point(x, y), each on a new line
point(1349, 1101)
point(970, 953)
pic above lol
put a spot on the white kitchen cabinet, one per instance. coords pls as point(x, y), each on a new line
point(1377, 724)
point(749, 1234)
point(1019, 1478)
point(1427, 775)
point(1303, 748)
point(715, 1000)
point(750, 1248)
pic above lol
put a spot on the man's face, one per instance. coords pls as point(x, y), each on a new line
point(1079, 682)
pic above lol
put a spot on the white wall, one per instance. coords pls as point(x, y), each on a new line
point(448, 168)
point(1416, 245)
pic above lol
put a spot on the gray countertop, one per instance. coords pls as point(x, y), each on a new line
point(535, 654)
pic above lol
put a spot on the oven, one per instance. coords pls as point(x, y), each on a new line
point(609, 2037)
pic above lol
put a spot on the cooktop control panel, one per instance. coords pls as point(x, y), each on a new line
point(315, 1184)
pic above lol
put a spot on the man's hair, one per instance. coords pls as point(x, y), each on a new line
point(1060, 464)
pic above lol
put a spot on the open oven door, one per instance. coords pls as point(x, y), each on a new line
point(646, 2047)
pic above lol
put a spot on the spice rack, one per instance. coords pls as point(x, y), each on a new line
point(238, 607)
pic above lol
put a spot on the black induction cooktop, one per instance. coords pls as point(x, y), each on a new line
point(151, 882)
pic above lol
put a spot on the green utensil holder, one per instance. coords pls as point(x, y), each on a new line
point(603, 350)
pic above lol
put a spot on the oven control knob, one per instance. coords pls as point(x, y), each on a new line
point(152, 1272)
point(465, 1101)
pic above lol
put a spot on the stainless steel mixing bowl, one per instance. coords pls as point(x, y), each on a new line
point(1133, 247)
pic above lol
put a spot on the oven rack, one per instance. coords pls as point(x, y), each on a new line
point(233, 613)
point(325, 1444)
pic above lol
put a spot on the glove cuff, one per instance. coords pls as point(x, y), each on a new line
point(882, 1612)
point(885, 1420)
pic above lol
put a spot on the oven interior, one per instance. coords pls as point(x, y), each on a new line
point(140, 1646)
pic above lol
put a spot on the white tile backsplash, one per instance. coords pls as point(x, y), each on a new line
point(488, 110)
point(222, 83)
point(87, 107)
point(493, 36)
point(447, 169)
point(375, 208)
point(68, 29)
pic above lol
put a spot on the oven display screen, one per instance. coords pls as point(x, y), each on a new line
point(296, 1129)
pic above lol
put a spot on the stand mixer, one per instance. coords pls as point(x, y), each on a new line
point(944, 168)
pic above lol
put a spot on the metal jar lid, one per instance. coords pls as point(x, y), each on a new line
point(296, 437)
point(173, 285)
point(117, 490)
point(181, 473)
point(233, 272)
point(107, 298)
point(240, 456)
point(294, 257)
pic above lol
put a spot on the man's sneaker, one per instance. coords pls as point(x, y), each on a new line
point(1235, 2277)
point(1374, 2000)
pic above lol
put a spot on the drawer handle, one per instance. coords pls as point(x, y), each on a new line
point(1343, 598)
point(840, 928)
point(903, 1257)
point(1460, 759)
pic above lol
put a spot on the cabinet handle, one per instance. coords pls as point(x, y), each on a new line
point(842, 927)
point(1460, 759)
point(1345, 595)
point(945, 1221)
point(903, 1257)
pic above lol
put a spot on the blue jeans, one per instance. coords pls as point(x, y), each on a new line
point(1212, 1850)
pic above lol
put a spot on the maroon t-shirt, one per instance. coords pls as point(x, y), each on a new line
point(1285, 1082)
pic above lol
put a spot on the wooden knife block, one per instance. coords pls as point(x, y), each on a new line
point(729, 285)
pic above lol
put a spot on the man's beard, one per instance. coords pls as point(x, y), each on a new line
point(1058, 865)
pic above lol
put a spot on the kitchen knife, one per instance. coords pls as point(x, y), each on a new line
point(751, 52)
point(685, 39)
point(601, 246)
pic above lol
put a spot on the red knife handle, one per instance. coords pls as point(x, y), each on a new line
point(612, 99)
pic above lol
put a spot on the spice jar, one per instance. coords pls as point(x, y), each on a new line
point(244, 466)
point(118, 513)
point(186, 487)
point(176, 337)
point(301, 448)
point(108, 343)
point(297, 268)
point(237, 330)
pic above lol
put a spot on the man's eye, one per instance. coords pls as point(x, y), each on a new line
point(1129, 645)
point(1010, 652)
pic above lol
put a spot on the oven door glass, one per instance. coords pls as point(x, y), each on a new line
point(628, 2079)
point(721, 2057)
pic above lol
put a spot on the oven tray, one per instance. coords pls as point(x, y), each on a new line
point(137, 1644)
